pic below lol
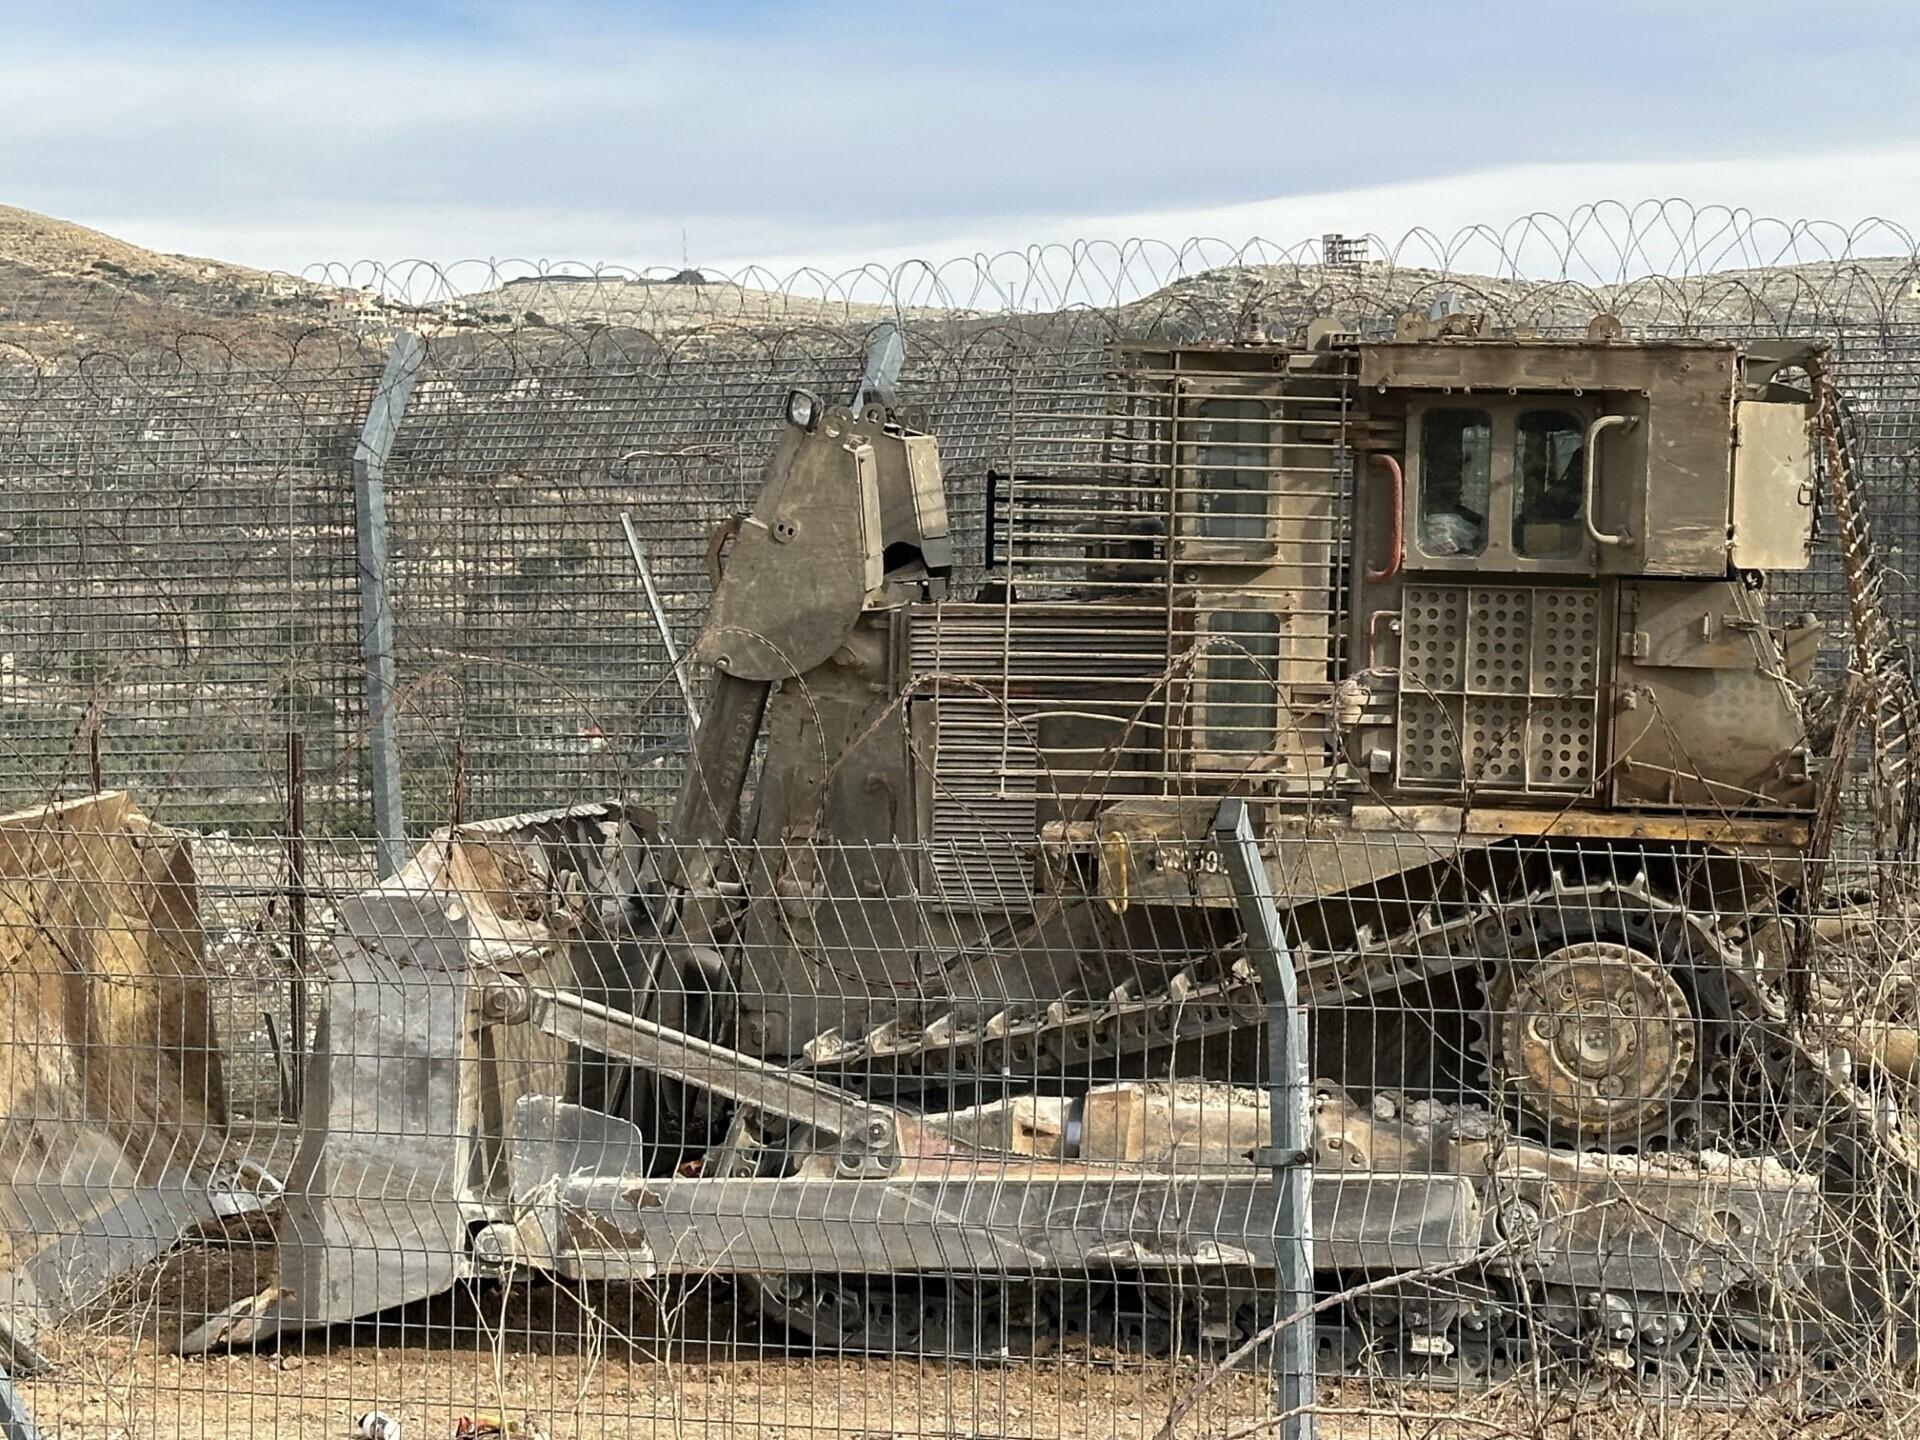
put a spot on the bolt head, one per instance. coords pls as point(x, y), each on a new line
point(505, 1002)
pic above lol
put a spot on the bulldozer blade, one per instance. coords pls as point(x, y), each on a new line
point(114, 1134)
point(97, 1245)
point(409, 1093)
point(372, 1213)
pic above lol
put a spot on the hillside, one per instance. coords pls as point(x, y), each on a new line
point(67, 292)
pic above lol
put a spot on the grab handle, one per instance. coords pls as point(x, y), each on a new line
point(1591, 474)
point(1399, 481)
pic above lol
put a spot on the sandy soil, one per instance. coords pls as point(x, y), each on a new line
point(128, 1392)
point(623, 1361)
point(616, 1362)
point(571, 1396)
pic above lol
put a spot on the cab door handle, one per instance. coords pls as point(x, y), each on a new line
point(1590, 477)
point(1397, 479)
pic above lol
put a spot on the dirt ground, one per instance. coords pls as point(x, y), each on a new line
point(621, 1361)
point(572, 1396)
point(132, 1393)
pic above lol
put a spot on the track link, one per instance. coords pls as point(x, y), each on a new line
point(1485, 1337)
point(1207, 997)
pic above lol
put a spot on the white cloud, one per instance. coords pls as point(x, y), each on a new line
point(1752, 212)
point(588, 132)
point(1421, 221)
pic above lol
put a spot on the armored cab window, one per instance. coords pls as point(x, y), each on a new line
point(1238, 704)
point(1547, 459)
point(1456, 453)
point(1230, 461)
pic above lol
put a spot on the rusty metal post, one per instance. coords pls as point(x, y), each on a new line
point(96, 772)
point(458, 806)
point(1290, 1096)
point(297, 920)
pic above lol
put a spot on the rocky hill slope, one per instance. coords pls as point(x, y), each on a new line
point(67, 292)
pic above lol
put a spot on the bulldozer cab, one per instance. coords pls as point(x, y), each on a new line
point(1574, 596)
point(1483, 571)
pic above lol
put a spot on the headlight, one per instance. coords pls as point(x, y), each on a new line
point(803, 409)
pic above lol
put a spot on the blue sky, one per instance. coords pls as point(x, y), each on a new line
point(279, 134)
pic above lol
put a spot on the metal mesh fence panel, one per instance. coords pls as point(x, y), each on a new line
point(535, 1178)
point(180, 578)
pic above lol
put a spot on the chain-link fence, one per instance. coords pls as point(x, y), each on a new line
point(1010, 1175)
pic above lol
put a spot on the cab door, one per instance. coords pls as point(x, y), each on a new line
point(1259, 477)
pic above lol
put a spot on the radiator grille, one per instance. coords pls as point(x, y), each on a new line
point(1498, 687)
point(995, 682)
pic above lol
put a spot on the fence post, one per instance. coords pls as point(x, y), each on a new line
point(1290, 1096)
point(15, 1422)
point(376, 613)
point(296, 1048)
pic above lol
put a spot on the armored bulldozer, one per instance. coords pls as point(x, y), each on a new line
point(945, 1038)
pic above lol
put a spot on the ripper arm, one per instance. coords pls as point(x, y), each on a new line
point(851, 519)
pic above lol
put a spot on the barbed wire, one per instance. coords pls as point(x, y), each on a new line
point(1653, 263)
point(176, 440)
point(1603, 244)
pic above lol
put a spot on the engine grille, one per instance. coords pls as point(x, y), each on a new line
point(1499, 688)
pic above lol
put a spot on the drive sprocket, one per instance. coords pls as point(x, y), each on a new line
point(1607, 1016)
point(1595, 1040)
